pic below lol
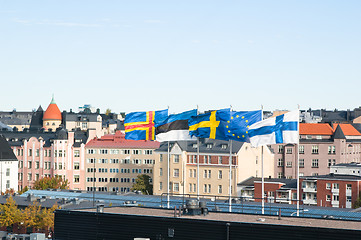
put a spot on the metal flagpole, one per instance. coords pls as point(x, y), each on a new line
point(198, 168)
point(298, 165)
point(230, 176)
point(168, 174)
point(262, 194)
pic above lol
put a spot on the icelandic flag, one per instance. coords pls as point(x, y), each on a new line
point(280, 129)
point(174, 127)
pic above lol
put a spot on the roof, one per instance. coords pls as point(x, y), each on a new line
point(118, 140)
point(347, 129)
point(85, 117)
point(52, 112)
point(288, 183)
point(339, 133)
point(315, 129)
point(6, 153)
point(332, 176)
point(218, 146)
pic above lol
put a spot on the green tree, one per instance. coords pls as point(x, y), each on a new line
point(9, 213)
point(142, 183)
point(357, 203)
point(53, 182)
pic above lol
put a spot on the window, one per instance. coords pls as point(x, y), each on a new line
point(336, 198)
point(137, 161)
point(205, 188)
point(84, 125)
point(301, 163)
point(328, 197)
point(176, 187)
point(76, 153)
point(176, 158)
point(331, 149)
point(209, 173)
point(114, 160)
point(219, 174)
point(91, 160)
point(301, 149)
point(190, 172)
point(160, 185)
point(103, 160)
point(280, 149)
point(37, 153)
point(136, 152)
point(280, 175)
point(348, 199)
point(348, 186)
point(60, 166)
point(30, 152)
point(190, 187)
point(76, 166)
point(161, 158)
point(280, 162)
point(148, 152)
point(103, 151)
point(7, 183)
point(314, 149)
point(194, 172)
point(127, 151)
point(224, 146)
point(92, 151)
point(209, 145)
point(209, 188)
point(8, 172)
point(308, 137)
point(219, 188)
point(335, 186)
point(176, 172)
point(315, 163)
point(205, 174)
point(29, 177)
point(194, 187)
point(289, 150)
point(29, 164)
point(289, 164)
point(328, 185)
point(220, 160)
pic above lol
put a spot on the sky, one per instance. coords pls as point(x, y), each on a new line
point(149, 55)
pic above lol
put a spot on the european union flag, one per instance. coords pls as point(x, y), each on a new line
point(140, 125)
point(238, 125)
point(210, 125)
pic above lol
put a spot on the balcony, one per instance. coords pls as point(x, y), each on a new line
point(310, 201)
point(309, 189)
point(335, 190)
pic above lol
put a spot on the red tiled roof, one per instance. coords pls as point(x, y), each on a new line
point(315, 129)
point(347, 129)
point(118, 141)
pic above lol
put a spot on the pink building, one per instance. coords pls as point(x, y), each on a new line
point(321, 146)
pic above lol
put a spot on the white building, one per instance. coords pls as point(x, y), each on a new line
point(8, 167)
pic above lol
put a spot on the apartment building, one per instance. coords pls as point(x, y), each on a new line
point(113, 162)
point(8, 167)
point(214, 174)
point(321, 146)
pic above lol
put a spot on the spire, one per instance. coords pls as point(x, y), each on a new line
point(339, 133)
point(52, 100)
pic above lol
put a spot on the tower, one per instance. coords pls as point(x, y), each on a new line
point(52, 117)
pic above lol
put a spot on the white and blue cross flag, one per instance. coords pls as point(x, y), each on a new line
point(280, 129)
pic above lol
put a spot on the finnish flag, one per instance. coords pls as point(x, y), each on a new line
point(280, 129)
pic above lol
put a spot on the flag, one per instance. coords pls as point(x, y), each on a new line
point(140, 125)
point(210, 125)
point(238, 125)
point(280, 129)
point(174, 127)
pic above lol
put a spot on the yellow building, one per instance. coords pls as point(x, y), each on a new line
point(214, 169)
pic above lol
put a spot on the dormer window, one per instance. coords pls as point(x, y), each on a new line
point(224, 146)
point(209, 145)
point(194, 145)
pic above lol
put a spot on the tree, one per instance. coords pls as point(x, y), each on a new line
point(142, 183)
point(47, 217)
point(357, 203)
point(9, 213)
point(25, 189)
point(32, 215)
point(53, 182)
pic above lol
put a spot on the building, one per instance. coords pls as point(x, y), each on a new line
point(52, 117)
point(8, 167)
point(19, 120)
point(321, 146)
point(214, 166)
point(113, 162)
point(83, 121)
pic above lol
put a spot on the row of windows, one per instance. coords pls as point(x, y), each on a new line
point(122, 161)
point(117, 151)
point(47, 153)
point(207, 188)
point(301, 149)
point(314, 163)
point(105, 189)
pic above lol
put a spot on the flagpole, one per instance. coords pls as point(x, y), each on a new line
point(230, 176)
point(197, 162)
point(298, 165)
point(262, 194)
point(168, 174)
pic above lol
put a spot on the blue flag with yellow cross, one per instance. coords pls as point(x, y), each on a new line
point(210, 125)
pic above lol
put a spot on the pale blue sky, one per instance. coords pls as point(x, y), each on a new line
point(147, 55)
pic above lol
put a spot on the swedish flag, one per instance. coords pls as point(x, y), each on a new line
point(210, 125)
point(238, 125)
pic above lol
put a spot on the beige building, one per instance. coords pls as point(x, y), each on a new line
point(213, 167)
point(113, 163)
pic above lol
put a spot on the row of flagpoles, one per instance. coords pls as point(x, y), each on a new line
point(224, 124)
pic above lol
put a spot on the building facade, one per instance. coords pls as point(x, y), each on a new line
point(214, 167)
point(321, 146)
point(113, 163)
point(8, 167)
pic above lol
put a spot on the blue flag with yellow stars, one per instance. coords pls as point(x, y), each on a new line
point(210, 125)
point(238, 125)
